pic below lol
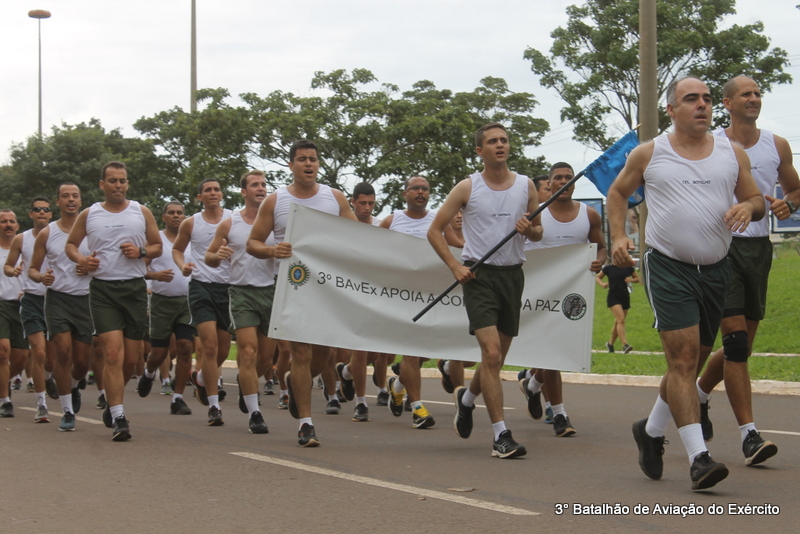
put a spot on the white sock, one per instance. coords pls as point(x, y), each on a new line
point(446, 367)
point(303, 421)
point(692, 437)
point(397, 387)
point(66, 403)
point(73, 383)
point(200, 381)
point(498, 427)
point(534, 386)
point(381, 390)
point(213, 400)
point(148, 374)
point(346, 374)
point(744, 429)
point(5, 400)
point(659, 419)
point(702, 394)
point(558, 409)
point(116, 411)
point(415, 405)
point(40, 399)
point(30, 381)
point(361, 400)
point(48, 376)
point(284, 392)
point(252, 403)
point(547, 405)
point(165, 381)
point(176, 396)
point(101, 392)
point(468, 398)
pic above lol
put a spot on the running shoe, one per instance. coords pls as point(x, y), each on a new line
point(307, 437)
point(626, 348)
point(447, 382)
point(705, 472)
point(333, 407)
point(30, 388)
point(505, 446)
point(145, 385)
point(76, 400)
point(215, 417)
point(179, 407)
point(51, 388)
point(101, 402)
point(166, 389)
point(534, 399)
point(651, 450)
point(283, 402)
point(7, 409)
point(122, 431)
point(549, 417)
point(463, 419)
point(361, 413)
point(202, 394)
point(756, 450)
point(292, 404)
point(422, 418)
point(395, 399)
point(41, 415)
point(67, 423)
point(346, 385)
point(16, 385)
point(257, 424)
point(609, 347)
point(383, 398)
point(107, 420)
point(562, 426)
point(269, 387)
point(705, 422)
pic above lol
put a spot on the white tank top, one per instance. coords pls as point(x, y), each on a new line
point(556, 233)
point(10, 286)
point(28, 285)
point(687, 201)
point(179, 286)
point(66, 278)
point(106, 231)
point(491, 215)
point(246, 270)
point(323, 201)
point(376, 221)
point(414, 227)
point(202, 235)
point(764, 163)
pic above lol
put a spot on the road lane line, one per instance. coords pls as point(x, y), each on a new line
point(59, 414)
point(785, 432)
point(388, 485)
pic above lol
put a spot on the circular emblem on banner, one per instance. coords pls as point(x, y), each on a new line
point(298, 275)
point(574, 307)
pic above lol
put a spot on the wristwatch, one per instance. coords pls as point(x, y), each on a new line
point(142, 252)
point(791, 205)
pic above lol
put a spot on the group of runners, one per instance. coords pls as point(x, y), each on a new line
point(80, 282)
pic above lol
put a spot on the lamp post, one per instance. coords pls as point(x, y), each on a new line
point(193, 83)
point(40, 14)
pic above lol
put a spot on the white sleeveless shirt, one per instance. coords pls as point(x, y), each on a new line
point(10, 286)
point(323, 201)
point(28, 285)
point(202, 235)
point(764, 163)
point(556, 233)
point(66, 278)
point(179, 286)
point(687, 201)
point(491, 215)
point(106, 231)
point(246, 270)
point(414, 227)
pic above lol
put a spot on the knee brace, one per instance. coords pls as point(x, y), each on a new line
point(735, 346)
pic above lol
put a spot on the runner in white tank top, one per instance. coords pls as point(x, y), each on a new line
point(304, 166)
point(12, 360)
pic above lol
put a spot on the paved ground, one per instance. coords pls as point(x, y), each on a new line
point(178, 475)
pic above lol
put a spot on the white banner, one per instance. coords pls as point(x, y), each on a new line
point(356, 286)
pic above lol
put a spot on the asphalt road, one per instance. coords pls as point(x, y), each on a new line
point(178, 475)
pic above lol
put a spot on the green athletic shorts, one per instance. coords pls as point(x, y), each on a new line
point(11, 325)
point(683, 295)
point(119, 305)
point(68, 313)
point(166, 313)
point(251, 306)
point(208, 301)
point(751, 260)
point(494, 298)
point(31, 312)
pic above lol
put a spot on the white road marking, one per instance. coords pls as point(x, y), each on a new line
point(389, 485)
point(784, 432)
point(59, 414)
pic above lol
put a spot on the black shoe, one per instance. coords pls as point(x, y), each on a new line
point(7, 409)
point(346, 386)
point(107, 417)
point(51, 388)
point(76, 400)
point(242, 404)
point(122, 431)
point(609, 347)
point(307, 437)
point(257, 424)
point(383, 398)
point(222, 394)
point(202, 394)
point(283, 402)
point(215, 417)
point(705, 472)
point(333, 407)
point(361, 413)
point(269, 387)
point(506, 447)
point(101, 402)
point(395, 367)
point(407, 405)
point(91, 380)
point(447, 382)
point(374, 378)
point(463, 420)
point(705, 422)
point(179, 407)
point(144, 386)
point(395, 399)
point(81, 383)
point(562, 426)
point(651, 450)
point(292, 404)
point(756, 450)
point(534, 399)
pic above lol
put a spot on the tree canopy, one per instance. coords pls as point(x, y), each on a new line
point(594, 61)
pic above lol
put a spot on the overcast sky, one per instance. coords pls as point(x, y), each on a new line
point(122, 60)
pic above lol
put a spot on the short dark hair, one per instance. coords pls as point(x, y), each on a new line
point(405, 184)
point(204, 182)
point(112, 165)
point(300, 145)
point(254, 172)
point(62, 184)
point(363, 188)
point(732, 85)
point(168, 204)
point(537, 180)
point(39, 199)
point(560, 165)
point(480, 134)
point(672, 88)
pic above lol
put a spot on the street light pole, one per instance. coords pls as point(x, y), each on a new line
point(40, 14)
point(193, 101)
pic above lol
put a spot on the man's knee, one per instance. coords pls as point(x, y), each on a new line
point(735, 346)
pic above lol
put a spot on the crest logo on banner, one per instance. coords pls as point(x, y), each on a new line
point(574, 307)
point(298, 275)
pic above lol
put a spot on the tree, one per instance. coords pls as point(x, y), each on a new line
point(365, 131)
point(599, 48)
point(76, 153)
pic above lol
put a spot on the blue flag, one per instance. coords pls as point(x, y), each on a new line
point(604, 170)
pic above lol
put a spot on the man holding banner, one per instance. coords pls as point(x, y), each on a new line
point(494, 202)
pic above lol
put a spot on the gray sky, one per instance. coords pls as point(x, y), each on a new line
point(122, 60)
